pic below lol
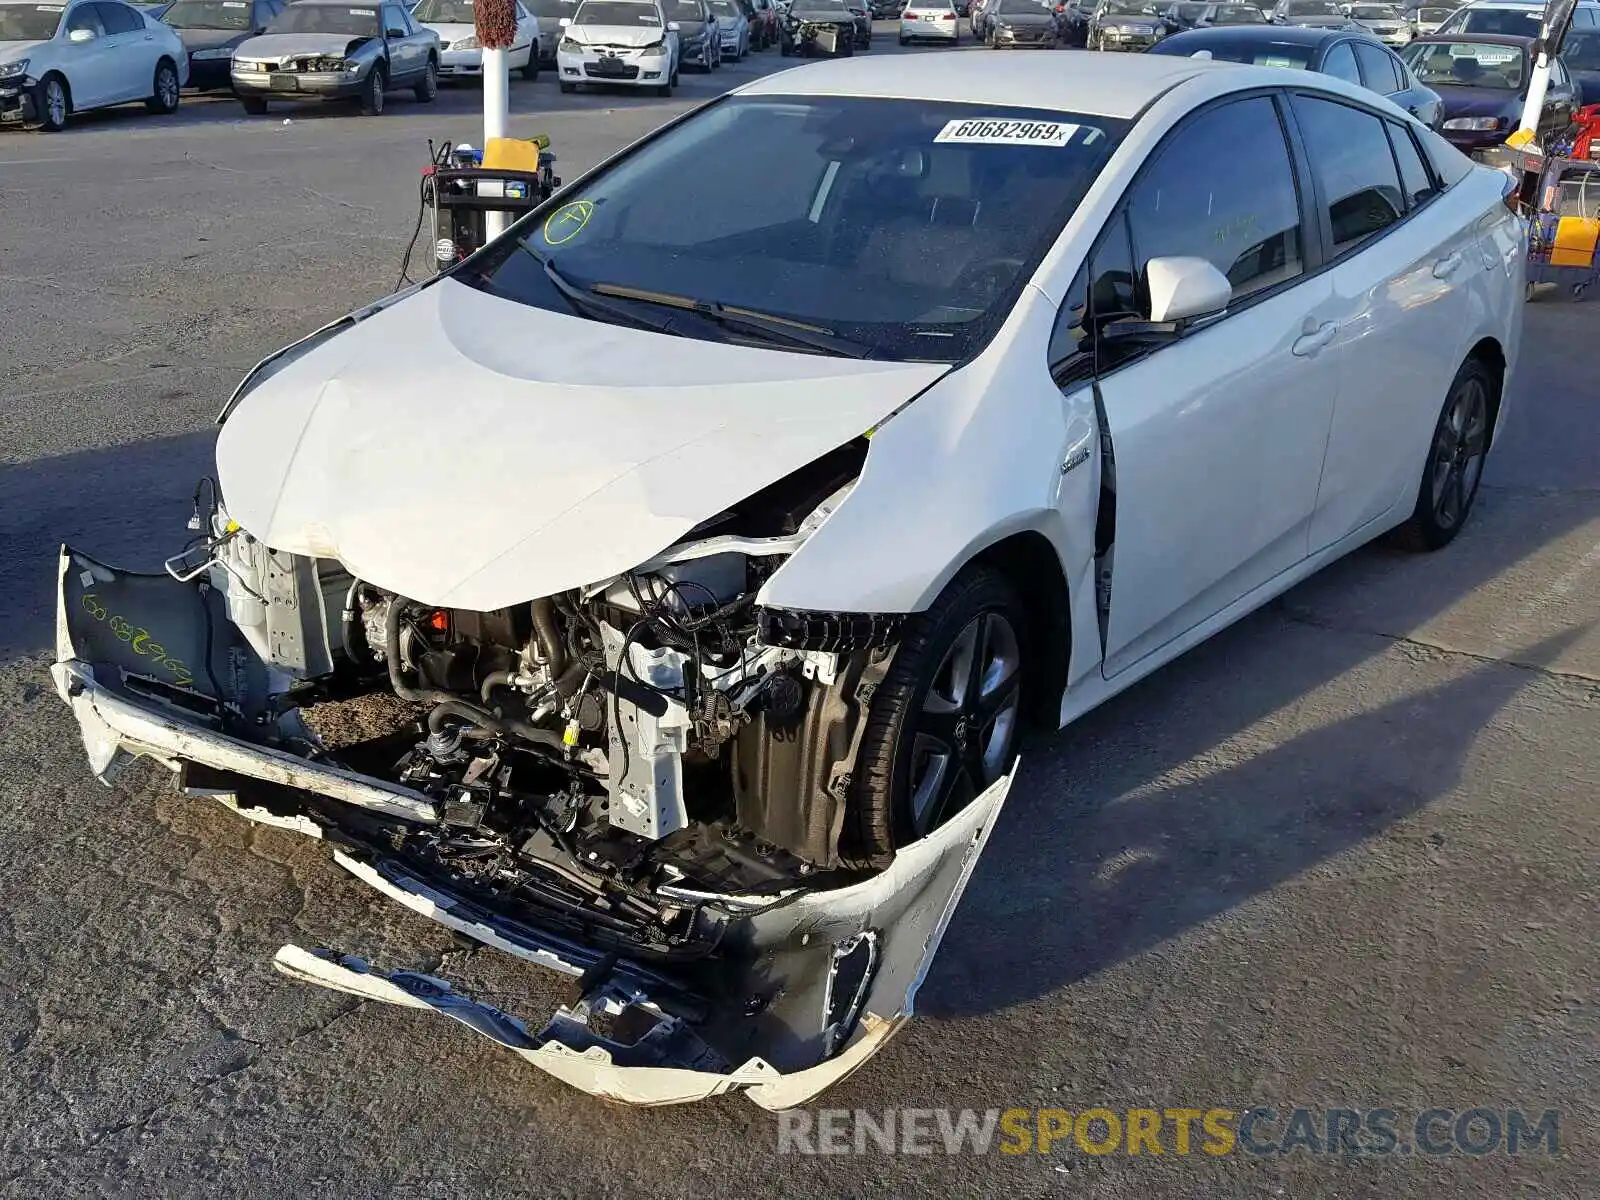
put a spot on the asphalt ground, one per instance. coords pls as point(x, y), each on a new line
point(1343, 855)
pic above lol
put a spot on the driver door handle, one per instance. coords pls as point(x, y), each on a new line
point(1314, 340)
point(1447, 265)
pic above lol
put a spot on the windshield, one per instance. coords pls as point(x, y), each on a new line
point(1190, 12)
point(1023, 8)
point(326, 18)
point(444, 12)
point(29, 22)
point(1239, 14)
point(1128, 8)
point(685, 10)
point(1312, 8)
point(906, 228)
point(550, 8)
point(1375, 12)
point(616, 12)
point(1519, 22)
point(1433, 15)
point(1467, 64)
point(208, 14)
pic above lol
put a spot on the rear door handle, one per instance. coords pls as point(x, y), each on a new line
point(1447, 265)
point(1309, 344)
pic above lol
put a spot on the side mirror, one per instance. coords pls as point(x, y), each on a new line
point(1182, 288)
point(394, 33)
point(564, 22)
point(81, 35)
point(672, 27)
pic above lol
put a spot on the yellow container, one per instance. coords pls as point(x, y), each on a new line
point(1575, 242)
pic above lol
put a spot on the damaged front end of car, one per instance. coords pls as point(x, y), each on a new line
point(643, 783)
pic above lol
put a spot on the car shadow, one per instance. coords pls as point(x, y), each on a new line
point(127, 505)
point(1118, 835)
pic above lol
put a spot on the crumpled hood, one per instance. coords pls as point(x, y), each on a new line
point(615, 35)
point(278, 45)
point(11, 51)
point(1023, 20)
point(469, 451)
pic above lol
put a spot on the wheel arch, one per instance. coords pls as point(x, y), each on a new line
point(1029, 562)
point(1492, 355)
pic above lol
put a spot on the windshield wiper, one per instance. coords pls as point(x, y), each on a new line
point(773, 329)
point(586, 304)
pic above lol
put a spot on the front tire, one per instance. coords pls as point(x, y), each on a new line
point(372, 97)
point(254, 106)
point(945, 723)
point(530, 69)
point(164, 89)
point(55, 103)
point(428, 90)
point(568, 88)
point(1454, 466)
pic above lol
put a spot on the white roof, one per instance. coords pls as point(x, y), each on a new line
point(1102, 85)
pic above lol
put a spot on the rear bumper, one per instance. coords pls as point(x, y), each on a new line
point(796, 994)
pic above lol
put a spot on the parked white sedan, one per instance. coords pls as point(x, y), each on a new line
point(772, 506)
point(460, 56)
point(60, 59)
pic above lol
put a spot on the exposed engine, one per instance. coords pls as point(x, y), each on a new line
point(621, 755)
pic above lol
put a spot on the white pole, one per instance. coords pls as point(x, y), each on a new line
point(496, 116)
point(1534, 105)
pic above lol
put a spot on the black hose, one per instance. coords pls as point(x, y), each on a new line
point(544, 624)
point(461, 710)
point(391, 652)
point(493, 680)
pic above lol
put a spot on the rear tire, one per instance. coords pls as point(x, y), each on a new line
point(946, 721)
point(164, 89)
point(372, 96)
point(530, 69)
point(1453, 469)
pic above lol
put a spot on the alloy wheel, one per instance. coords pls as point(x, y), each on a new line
point(167, 87)
point(55, 103)
point(967, 722)
point(1458, 450)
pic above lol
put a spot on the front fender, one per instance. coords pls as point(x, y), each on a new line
point(976, 458)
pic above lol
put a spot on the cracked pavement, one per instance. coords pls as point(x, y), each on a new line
point(1343, 854)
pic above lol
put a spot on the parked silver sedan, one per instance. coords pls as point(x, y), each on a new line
point(1383, 21)
point(733, 27)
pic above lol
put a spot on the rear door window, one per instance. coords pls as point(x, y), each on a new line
point(1378, 69)
point(1415, 181)
point(1340, 62)
point(118, 18)
point(1349, 151)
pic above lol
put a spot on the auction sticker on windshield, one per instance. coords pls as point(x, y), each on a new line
point(989, 131)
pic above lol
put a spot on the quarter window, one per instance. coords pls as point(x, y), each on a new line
point(1104, 291)
point(1340, 62)
point(1378, 69)
point(1414, 178)
point(1349, 151)
point(1194, 199)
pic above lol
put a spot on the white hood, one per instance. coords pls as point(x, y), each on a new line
point(450, 32)
point(616, 35)
point(473, 452)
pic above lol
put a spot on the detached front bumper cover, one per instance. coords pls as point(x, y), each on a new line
point(805, 991)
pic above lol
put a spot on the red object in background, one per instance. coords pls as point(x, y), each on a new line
point(1589, 118)
point(495, 23)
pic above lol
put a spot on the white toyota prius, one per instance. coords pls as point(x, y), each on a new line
point(659, 595)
